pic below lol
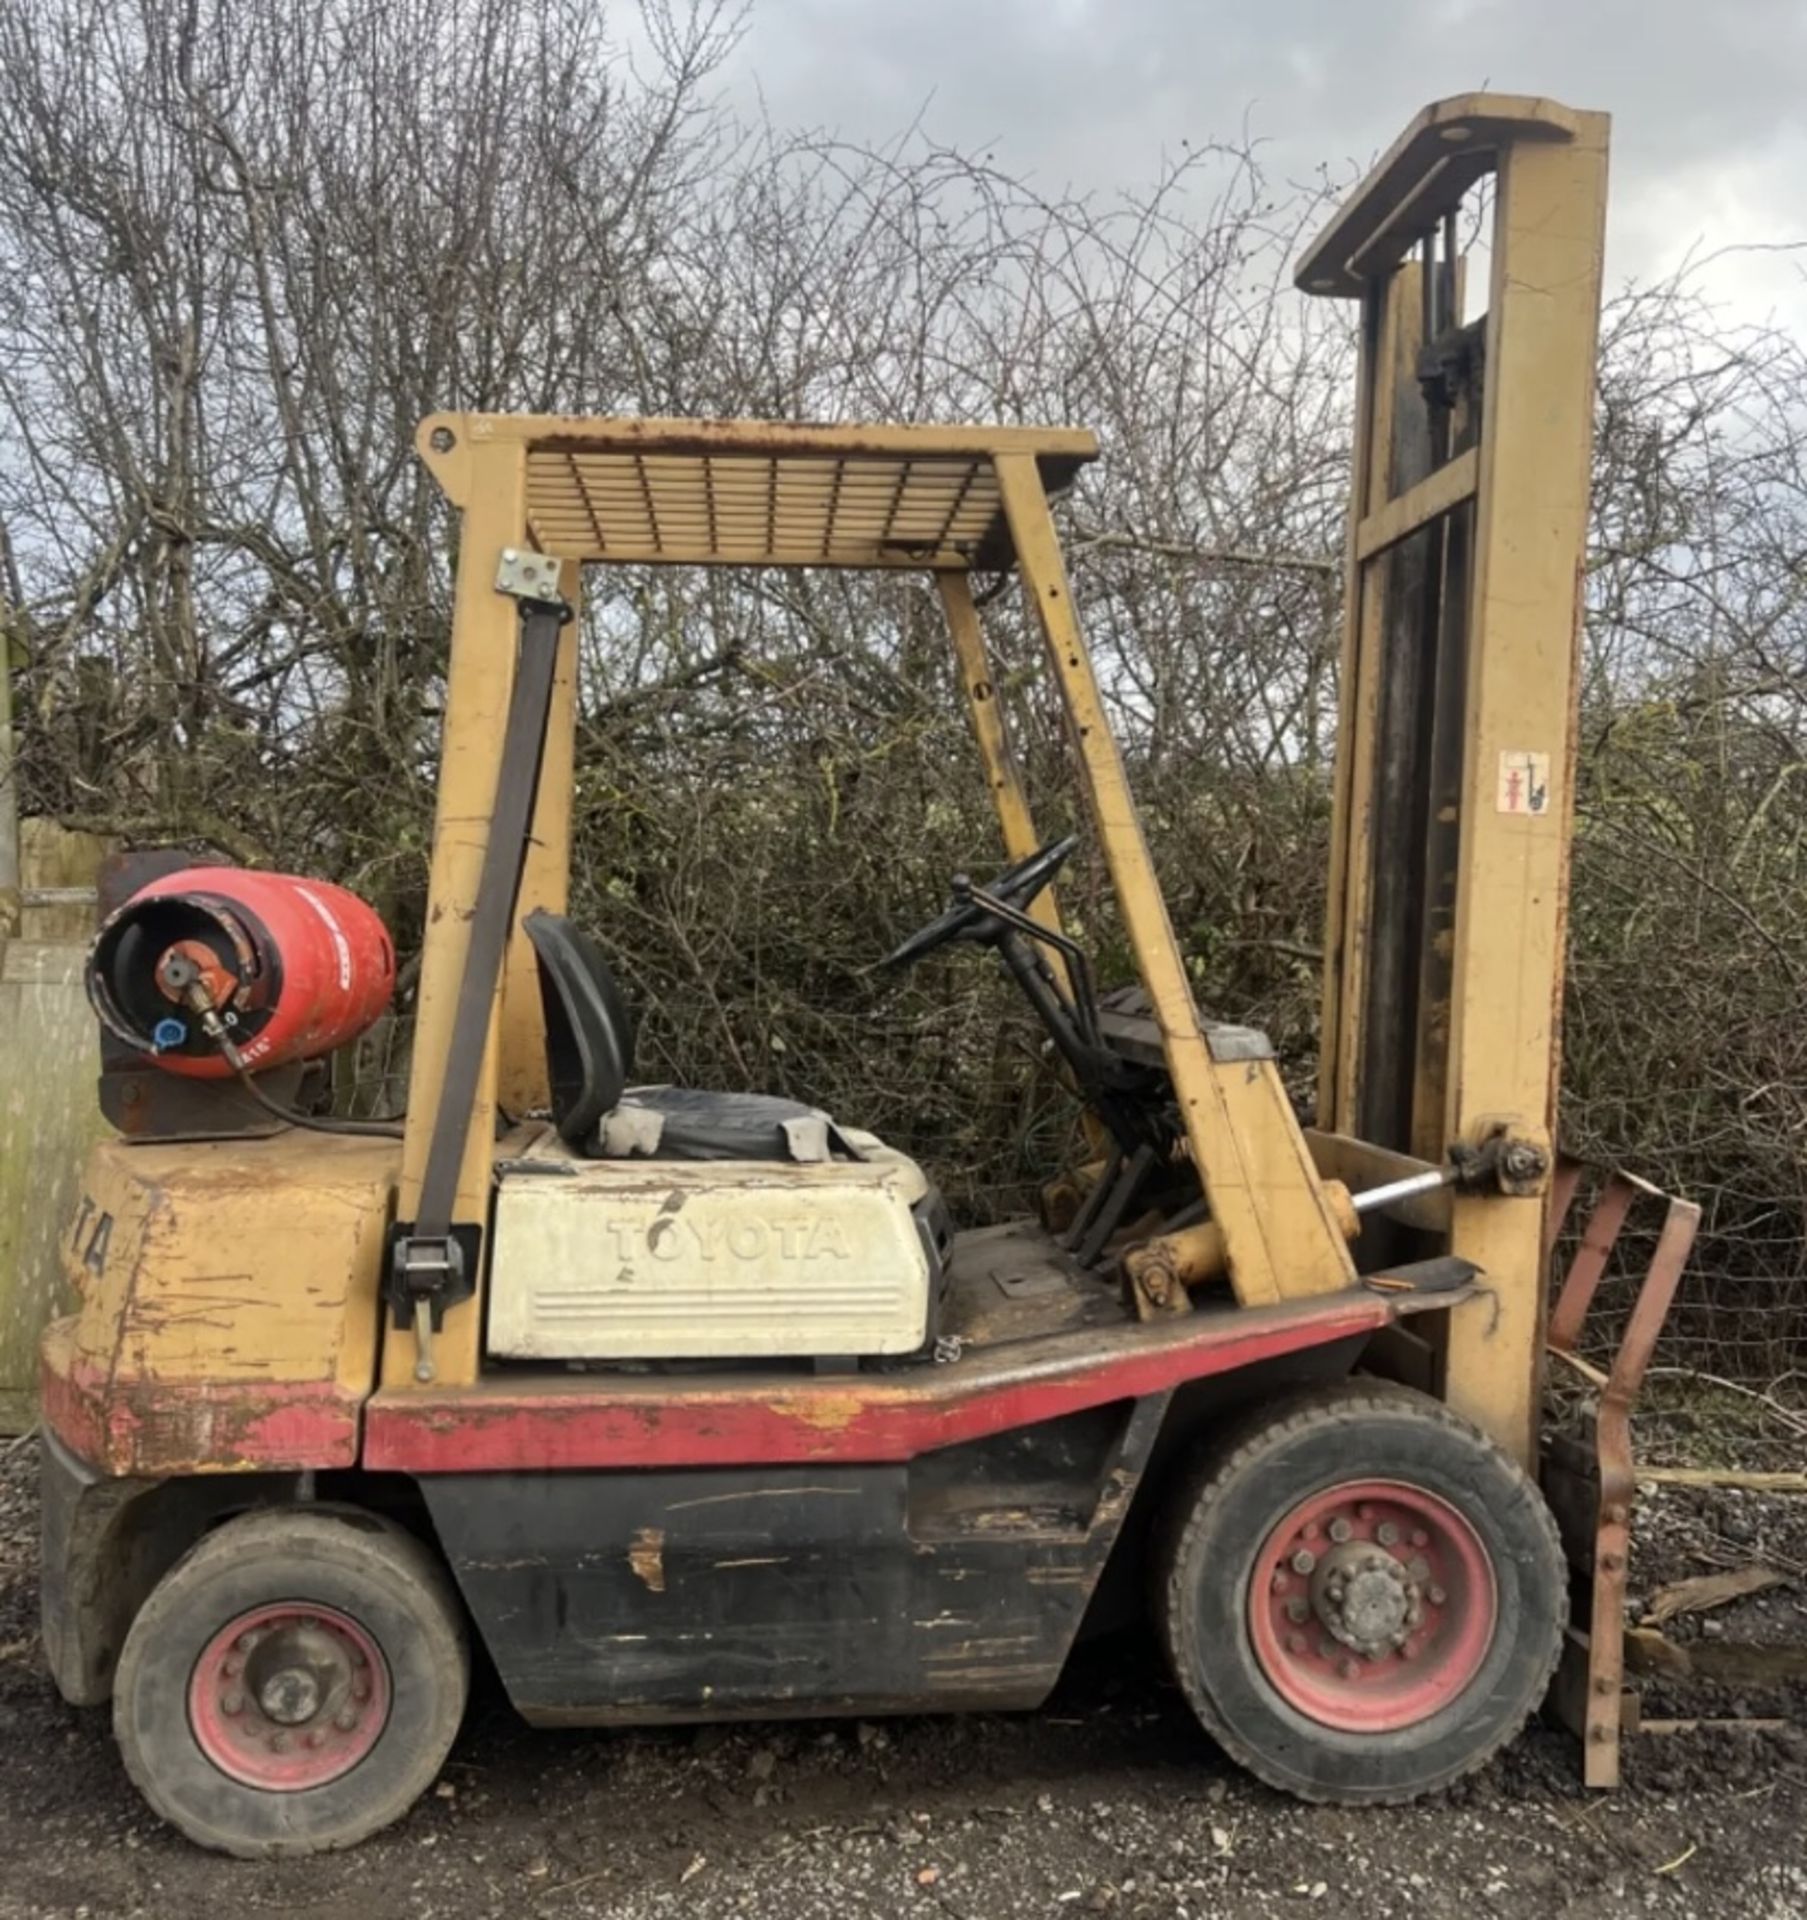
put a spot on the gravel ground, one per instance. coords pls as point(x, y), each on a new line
point(1684, 1532)
point(1107, 1801)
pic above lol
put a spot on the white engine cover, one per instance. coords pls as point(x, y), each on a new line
point(716, 1259)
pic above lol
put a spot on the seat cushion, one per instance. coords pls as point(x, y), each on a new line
point(690, 1123)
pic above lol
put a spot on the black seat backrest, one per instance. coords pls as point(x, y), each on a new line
point(589, 1031)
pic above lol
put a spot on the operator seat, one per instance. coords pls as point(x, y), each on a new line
point(590, 1059)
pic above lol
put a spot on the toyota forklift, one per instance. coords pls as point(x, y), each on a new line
point(693, 1405)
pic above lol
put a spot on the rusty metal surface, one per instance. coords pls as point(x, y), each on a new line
point(1012, 1282)
point(1597, 1242)
point(1593, 1489)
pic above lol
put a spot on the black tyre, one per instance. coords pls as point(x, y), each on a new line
point(1362, 1596)
point(293, 1683)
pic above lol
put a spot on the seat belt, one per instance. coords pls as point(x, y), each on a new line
point(432, 1258)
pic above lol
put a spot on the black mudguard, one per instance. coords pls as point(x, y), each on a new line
point(88, 1585)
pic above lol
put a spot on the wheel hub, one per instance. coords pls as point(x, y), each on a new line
point(1367, 1599)
point(286, 1697)
point(1372, 1604)
point(292, 1696)
point(295, 1668)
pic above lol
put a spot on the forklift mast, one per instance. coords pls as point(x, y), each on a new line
point(1455, 790)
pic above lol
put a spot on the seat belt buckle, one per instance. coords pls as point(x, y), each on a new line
point(426, 1274)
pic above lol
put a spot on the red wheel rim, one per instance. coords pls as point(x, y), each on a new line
point(1371, 1606)
point(288, 1697)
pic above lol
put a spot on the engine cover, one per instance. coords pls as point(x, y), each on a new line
point(706, 1260)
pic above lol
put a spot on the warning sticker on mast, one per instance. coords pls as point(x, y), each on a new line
point(1524, 782)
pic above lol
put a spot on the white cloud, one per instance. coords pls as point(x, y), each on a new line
point(1708, 140)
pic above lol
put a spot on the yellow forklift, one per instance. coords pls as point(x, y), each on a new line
point(692, 1405)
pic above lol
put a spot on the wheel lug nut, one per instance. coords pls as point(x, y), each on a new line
point(345, 1720)
point(1326, 1650)
point(316, 1738)
point(1298, 1611)
point(1310, 1531)
point(1420, 1538)
point(1349, 1669)
point(357, 1657)
point(1364, 1513)
point(1304, 1560)
point(1280, 1581)
point(1420, 1569)
point(233, 1703)
point(232, 1668)
point(1340, 1530)
point(245, 1642)
point(1295, 1643)
point(1387, 1534)
point(1437, 1596)
point(279, 1743)
point(360, 1688)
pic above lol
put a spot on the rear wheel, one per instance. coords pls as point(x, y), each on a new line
point(293, 1683)
point(1361, 1595)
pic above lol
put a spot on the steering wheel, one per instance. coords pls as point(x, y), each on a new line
point(966, 919)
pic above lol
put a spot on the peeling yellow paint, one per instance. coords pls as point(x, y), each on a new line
point(232, 1260)
point(828, 1412)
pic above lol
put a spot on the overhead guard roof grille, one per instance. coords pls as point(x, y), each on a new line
point(753, 493)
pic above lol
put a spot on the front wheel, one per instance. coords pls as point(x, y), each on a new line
point(1362, 1596)
point(293, 1683)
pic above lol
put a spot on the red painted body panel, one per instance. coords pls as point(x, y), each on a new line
point(591, 1421)
point(278, 1426)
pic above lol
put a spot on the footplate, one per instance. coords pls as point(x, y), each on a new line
point(1590, 1477)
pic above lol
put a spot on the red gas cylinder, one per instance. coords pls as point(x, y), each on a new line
point(294, 968)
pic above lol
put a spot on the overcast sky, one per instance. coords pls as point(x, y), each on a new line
point(1708, 97)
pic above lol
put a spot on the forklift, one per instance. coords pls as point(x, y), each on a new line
point(692, 1405)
